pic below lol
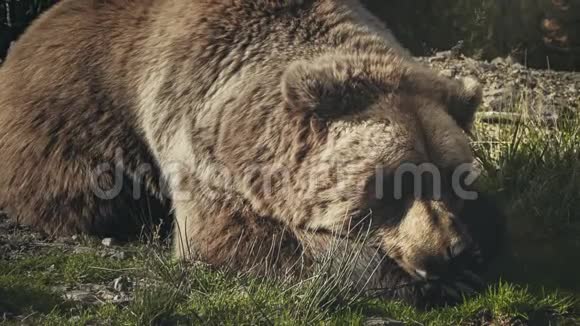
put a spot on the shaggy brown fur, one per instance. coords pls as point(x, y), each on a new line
point(264, 124)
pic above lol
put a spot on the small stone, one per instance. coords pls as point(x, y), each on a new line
point(486, 65)
point(121, 298)
point(382, 322)
point(447, 73)
point(82, 250)
point(500, 98)
point(121, 284)
point(106, 296)
point(444, 54)
point(510, 60)
point(499, 62)
point(79, 296)
point(119, 255)
point(75, 237)
point(471, 65)
point(441, 56)
point(108, 242)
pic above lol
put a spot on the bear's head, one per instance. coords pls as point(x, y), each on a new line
point(392, 156)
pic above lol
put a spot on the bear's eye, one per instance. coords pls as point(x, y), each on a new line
point(389, 197)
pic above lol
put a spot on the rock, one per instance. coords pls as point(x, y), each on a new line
point(120, 255)
point(510, 60)
point(509, 86)
point(499, 99)
point(382, 322)
point(121, 299)
point(82, 250)
point(106, 295)
point(498, 62)
point(441, 56)
point(108, 242)
point(122, 284)
point(80, 296)
point(118, 291)
point(487, 65)
point(447, 73)
point(472, 66)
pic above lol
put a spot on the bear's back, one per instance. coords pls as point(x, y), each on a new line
point(94, 78)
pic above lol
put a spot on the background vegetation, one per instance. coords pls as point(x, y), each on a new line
point(539, 33)
point(15, 15)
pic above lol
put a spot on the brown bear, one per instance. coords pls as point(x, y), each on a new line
point(272, 130)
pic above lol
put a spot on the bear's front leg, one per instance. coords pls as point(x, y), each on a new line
point(224, 235)
point(238, 240)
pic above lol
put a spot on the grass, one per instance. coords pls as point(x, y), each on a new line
point(533, 169)
point(196, 294)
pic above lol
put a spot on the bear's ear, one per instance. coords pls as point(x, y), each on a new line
point(329, 90)
point(465, 101)
point(460, 97)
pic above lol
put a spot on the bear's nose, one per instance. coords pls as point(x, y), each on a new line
point(435, 267)
point(440, 265)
